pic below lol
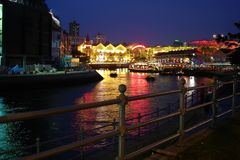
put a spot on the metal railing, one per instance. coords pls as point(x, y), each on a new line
point(122, 129)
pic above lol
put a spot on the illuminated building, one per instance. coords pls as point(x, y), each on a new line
point(165, 49)
point(204, 43)
point(138, 52)
point(170, 56)
point(108, 53)
point(26, 32)
point(166, 55)
point(84, 51)
point(177, 58)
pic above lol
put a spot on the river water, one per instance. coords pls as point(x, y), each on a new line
point(21, 134)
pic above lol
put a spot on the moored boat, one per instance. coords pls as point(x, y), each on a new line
point(150, 78)
point(40, 80)
point(113, 75)
point(142, 67)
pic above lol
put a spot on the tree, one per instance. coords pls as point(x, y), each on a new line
point(234, 56)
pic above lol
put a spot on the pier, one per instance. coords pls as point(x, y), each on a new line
point(219, 106)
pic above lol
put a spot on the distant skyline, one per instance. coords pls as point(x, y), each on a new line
point(150, 22)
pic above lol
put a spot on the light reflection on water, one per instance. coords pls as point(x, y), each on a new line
point(25, 133)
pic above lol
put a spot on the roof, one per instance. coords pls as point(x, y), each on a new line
point(190, 52)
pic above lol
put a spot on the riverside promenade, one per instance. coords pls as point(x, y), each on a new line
point(219, 143)
point(222, 143)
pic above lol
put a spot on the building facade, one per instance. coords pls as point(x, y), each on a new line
point(26, 32)
point(109, 53)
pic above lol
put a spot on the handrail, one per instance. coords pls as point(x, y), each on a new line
point(151, 146)
point(151, 95)
point(13, 117)
point(122, 101)
point(224, 98)
point(152, 121)
point(200, 87)
point(74, 135)
point(71, 146)
point(199, 106)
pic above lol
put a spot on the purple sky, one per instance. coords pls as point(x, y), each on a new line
point(151, 22)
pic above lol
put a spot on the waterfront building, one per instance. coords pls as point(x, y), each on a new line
point(83, 51)
point(25, 32)
point(166, 55)
point(190, 56)
point(74, 28)
point(138, 52)
point(176, 58)
point(74, 34)
point(56, 40)
point(65, 43)
point(106, 53)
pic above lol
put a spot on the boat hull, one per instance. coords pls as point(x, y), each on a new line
point(31, 81)
point(143, 71)
point(142, 67)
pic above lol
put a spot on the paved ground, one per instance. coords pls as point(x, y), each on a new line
point(222, 143)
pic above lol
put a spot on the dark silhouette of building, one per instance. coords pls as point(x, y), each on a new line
point(74, 28)
point(100, 38)
point(177, 43)
point(26, 32)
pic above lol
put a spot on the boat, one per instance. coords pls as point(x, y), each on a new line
point(113, 75)
point(150, 78)
point(47, 79)
point(143, 67)
point(180, 73)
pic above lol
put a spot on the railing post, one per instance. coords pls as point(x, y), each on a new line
point(114, 128)
point(122, 126)
point(82, 138)
point(38, 145)
point(139, 121)
point(158, 114)
point(214, 100)
point(182, 108)
point(168, 108)
point(114, 124)
point(192, 99)
point(234, 95)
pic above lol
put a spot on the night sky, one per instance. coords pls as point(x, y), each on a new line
point(151, 22)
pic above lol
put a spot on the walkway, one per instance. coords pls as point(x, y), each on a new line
point(222, 143)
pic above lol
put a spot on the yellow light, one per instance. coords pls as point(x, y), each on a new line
point(75, 60)
point(186, 60)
